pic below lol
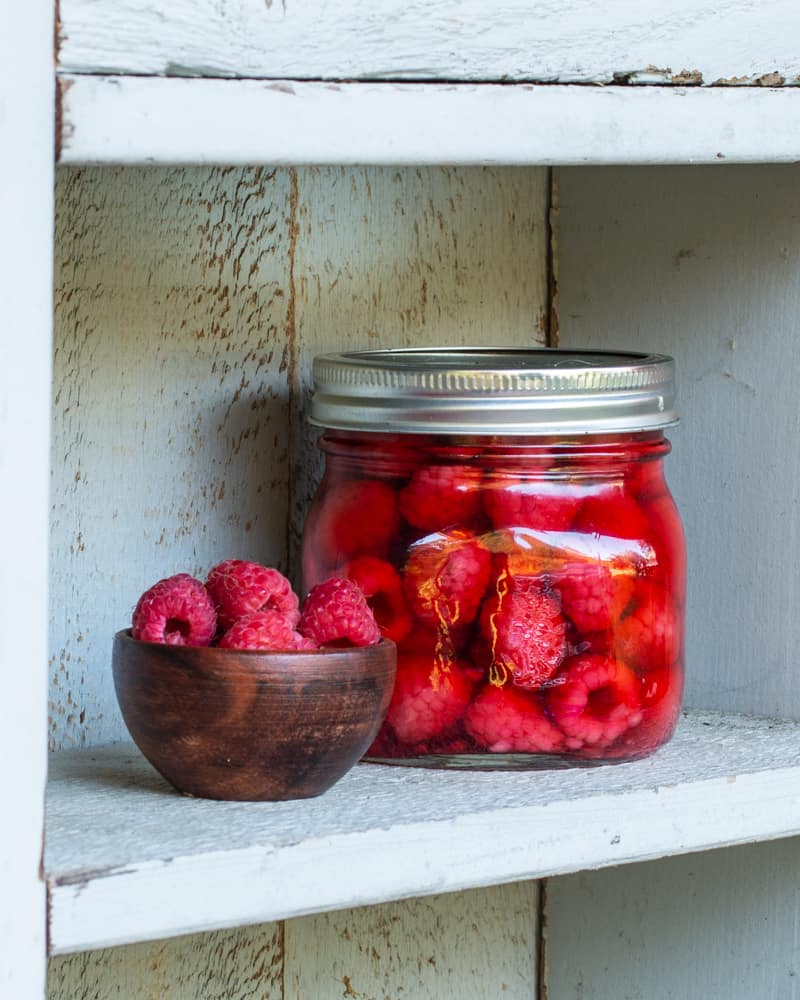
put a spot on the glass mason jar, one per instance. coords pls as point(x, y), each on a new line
point(506, 515)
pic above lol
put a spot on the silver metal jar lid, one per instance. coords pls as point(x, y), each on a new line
point(476, 390)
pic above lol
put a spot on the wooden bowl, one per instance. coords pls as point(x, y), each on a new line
point(235, 724)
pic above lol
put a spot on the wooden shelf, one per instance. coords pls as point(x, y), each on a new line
point(173, 120)
point(128, 860)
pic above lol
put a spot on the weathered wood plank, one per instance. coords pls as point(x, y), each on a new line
point(241, 964)
point(710, 925)
point(542, 40)
point(703, 264)
point(140, 120)
point(118, 837)
point(26, 274)
point(400, 257)
point(476, 945)
point(170, 403)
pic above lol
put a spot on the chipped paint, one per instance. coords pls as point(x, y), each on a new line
point(773, 79)
point(655, 76)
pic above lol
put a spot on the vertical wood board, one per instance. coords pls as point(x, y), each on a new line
point(26, 275)
point(703, 264)
point(714, 926)
point(151, 352)
point(241, 964)
point(477, 945)
point(683, 41)
point(170, 403)
point(411, 257)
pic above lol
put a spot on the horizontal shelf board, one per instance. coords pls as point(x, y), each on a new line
point(549, 40)
point(185, 121)
point(127, 859)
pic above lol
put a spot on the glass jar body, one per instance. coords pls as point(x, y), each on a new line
point(534, 586)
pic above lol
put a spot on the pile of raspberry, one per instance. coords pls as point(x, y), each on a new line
point(244, 605)
point(517, 630)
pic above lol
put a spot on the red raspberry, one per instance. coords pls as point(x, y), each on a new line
point(428, 698)
point(240, 588)
point(596, 701)
point(666, 537)
point(513, 502)
point(480, 656)
point(649, 636)
point(441, 496)
point(661, 705)
point(381, 746)
point(336, 613)
point(445, 579)
point(662, 685)
point(504, 720)
point(446, 745)
point(380, 583)
point(264, 630)
point(176, 611)
point(646, 481)
point(594, 594)
point(354, 518)
point(614, 514)
point(526, 632)
point(446, 643)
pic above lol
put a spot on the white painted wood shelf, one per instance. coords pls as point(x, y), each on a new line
point(176, 120)
point(129, 860)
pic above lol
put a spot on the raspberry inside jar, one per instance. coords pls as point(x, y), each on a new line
point(533, 582)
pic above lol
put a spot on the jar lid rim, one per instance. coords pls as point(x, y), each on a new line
point(483, 390)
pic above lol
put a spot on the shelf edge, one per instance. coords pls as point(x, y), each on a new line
point(256, 884)
point(174, 120)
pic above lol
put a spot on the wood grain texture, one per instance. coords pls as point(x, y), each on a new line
point(476, 945)
point(338, 258)
point(704, 927)
point(241, 964)
point(544, 40)
point(386, 833)
point(703, 264)
point(114, 119)
point(170, 403)
point(26, 328)
point(401, 257)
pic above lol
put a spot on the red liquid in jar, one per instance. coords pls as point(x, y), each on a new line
point(535, 588)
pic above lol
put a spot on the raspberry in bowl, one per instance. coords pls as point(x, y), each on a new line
point(233, 690)
point(507, 514)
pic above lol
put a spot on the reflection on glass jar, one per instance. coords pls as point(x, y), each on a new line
point(533, 578)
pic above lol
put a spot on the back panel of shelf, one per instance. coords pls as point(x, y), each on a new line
point(189, 304)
